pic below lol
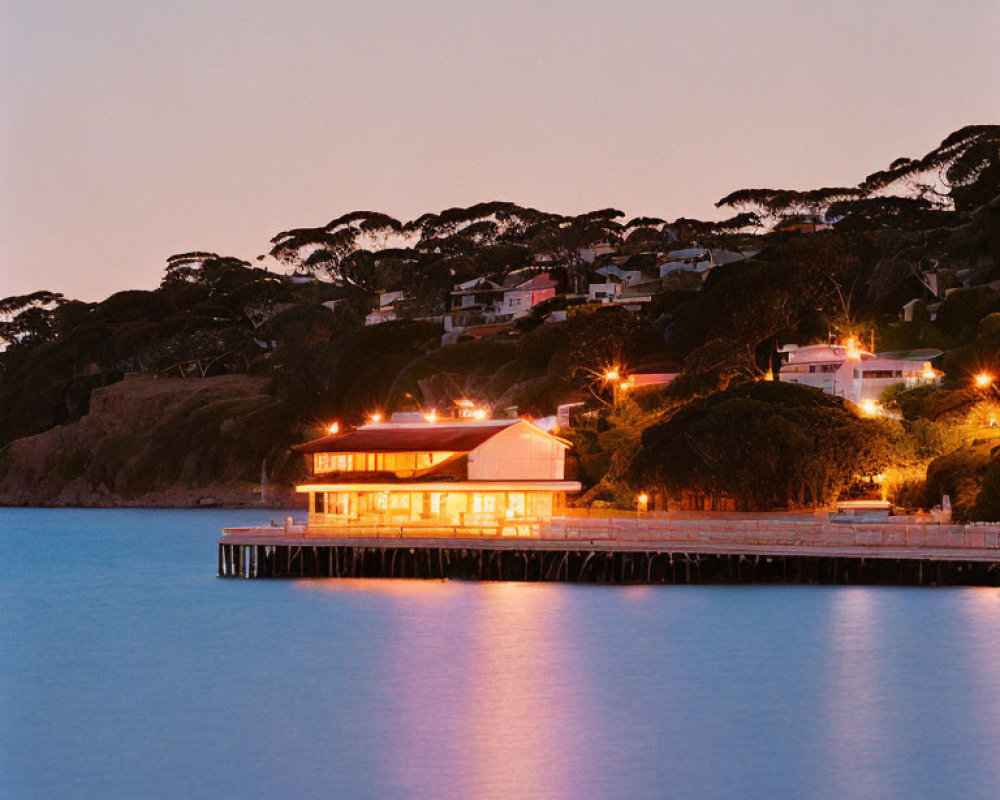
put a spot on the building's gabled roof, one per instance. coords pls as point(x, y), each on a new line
point(440, 437)
point(538, 283)
point(476, 286)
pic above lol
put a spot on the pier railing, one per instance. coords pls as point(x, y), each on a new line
point(814, 533)
point(663, 529)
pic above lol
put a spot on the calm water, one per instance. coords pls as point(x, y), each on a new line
point(127, 670)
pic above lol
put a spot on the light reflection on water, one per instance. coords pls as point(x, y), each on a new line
point(128, 670)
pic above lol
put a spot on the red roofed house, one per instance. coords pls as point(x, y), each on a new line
point(491, 476)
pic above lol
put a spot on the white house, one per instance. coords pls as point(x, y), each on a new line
point(698, 259)
point(848, 371)
point(488, 476)
point(604, 292)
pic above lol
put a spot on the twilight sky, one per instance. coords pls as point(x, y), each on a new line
point(133, 130)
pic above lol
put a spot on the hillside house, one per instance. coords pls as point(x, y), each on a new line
point(803, 223)
point(519, 300)
point(485, 476)
point(475, 302)
point(590, 254)
point(386, 311)
point(849, 371)
point(697, 259)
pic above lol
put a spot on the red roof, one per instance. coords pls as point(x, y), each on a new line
point(439, 437)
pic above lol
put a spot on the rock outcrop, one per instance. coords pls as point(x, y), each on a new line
point(168, 443)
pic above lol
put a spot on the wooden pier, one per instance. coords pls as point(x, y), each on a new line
point(968, 559)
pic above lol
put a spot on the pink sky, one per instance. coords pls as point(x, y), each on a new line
point(131, 131)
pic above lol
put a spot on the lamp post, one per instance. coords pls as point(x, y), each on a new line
point(641, 504)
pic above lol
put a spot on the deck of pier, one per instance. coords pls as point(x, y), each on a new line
point(707, 551)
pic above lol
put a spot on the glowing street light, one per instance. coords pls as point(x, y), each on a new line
point(983, 380)
point(869, 408)
point(612, 374)
point(431, 416)
point(375, 418)
point(642, 502)
point(479, 414)
point(332, 428)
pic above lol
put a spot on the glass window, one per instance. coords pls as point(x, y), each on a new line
point(516, 504)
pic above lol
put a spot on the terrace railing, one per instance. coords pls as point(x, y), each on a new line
point(652, 529)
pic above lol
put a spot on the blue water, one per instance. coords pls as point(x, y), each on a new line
point(128, 670)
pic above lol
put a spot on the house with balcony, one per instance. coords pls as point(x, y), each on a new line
point(849, 371)
point(478, 477)
point(475, 302)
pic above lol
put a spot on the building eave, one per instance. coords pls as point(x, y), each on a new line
point(444, 486)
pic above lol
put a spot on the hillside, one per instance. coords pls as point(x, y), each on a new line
point(148, 442)
point(183, 393)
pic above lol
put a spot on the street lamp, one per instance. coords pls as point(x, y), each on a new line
point(983, 380)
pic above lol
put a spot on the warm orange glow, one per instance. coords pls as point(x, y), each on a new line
point(769, 375)
point(643, 501)
point(463, 403)
point(870, 408)
point(611, 374)
point(983, 380)
point(624, 386)
point(928, 373)
point(431, 416)
point(853, 349)
point(333, 427)
point(376, 417)
point(479, 413)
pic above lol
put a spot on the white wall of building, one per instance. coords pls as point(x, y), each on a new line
point(519, 452)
